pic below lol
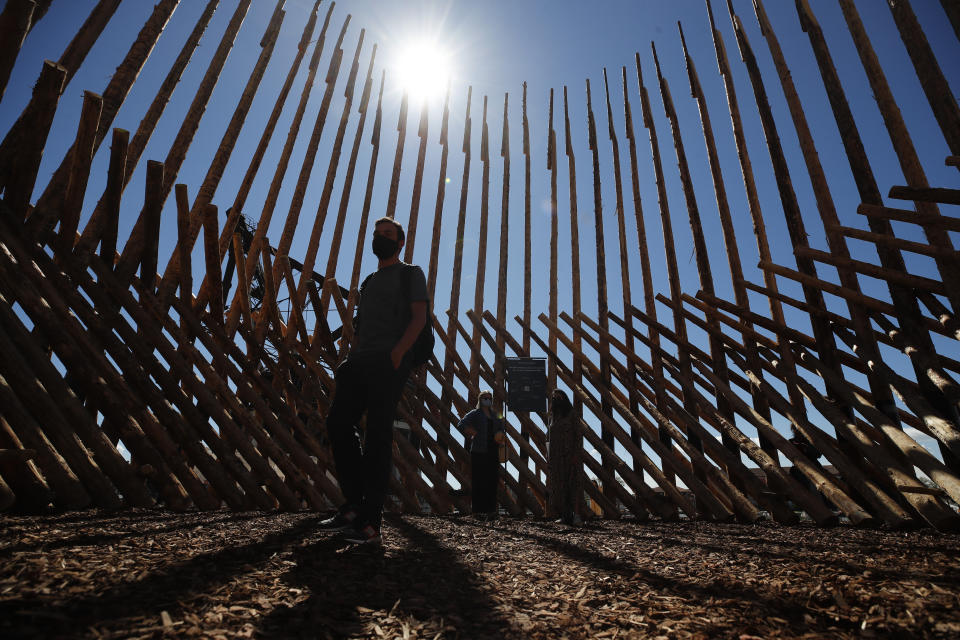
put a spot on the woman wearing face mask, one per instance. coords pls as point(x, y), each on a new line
point(484, 432)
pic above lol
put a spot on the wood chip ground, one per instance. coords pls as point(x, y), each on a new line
point(147, 574)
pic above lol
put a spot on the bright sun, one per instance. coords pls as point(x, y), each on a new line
point(423, 69)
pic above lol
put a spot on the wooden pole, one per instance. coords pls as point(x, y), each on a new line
point(411, 231)
point(949, 262)
point(15, 23)
point(146, 127)
point(113, 95)
point(480, 275)
point(554, 232)
point(348, 178)
point(224, 151)
point(908, 311)
point(270, 203)
point(185, 136)
point(454, 309)
point(20, 162)
point(398, 157)
point(668, 244)
point(441, 194)
point(313, 246)
point(622, 237)
point(729, 235)
point(69, 211)
point(574, 241)
point(527, 242)
point(750, 186)
point(942, 100)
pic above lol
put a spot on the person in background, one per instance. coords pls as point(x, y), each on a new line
point(483, 429)
point(563, 461)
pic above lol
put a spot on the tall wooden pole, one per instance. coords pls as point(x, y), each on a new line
point(480, 274)
point(422, 133)
point(908, 310)
point(668, 243)
point(273, 193)
point(454, 309)
point(398, 156)
point(148, 124)
point(634, 401)
point(186, 133)
point(441, 194)
point(574, 239)
point(750, 187)
point(527, 245)
point(730, 243)
point(602, 307)
point(554, 227)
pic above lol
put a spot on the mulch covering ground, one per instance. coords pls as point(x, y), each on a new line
point(156, 574)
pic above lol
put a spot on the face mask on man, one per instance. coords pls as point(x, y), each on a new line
point(384, 247)
point(486, 402)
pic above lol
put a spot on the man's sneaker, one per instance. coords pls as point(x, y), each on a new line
point(366, 534)
point(341, 521)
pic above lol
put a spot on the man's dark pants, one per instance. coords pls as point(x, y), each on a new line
point(365, 382)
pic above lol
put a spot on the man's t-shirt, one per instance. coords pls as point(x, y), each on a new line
point(384, 310)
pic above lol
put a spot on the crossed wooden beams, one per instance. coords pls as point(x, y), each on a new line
point(121, 385)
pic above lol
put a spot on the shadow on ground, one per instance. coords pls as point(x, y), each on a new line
point(415, 580)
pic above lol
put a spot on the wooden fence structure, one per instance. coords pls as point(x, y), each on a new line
point(125, 383)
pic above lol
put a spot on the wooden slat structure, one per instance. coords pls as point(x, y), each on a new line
point(123, 385)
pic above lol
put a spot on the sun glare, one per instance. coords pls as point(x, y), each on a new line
point(423, 69)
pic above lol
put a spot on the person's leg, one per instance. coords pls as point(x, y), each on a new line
point(383, 393)
point(492, 482)
point(486, 483)
point(476, 482)
point(342, 430)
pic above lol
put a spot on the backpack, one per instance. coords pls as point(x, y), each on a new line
point(422, 348)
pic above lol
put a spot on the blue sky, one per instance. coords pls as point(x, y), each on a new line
point(496, 46)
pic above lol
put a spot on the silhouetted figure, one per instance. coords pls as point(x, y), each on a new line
point(392, 310)
point(563, 460)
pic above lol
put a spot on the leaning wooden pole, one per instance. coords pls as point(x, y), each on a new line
point(826, 208)
point(444, 142)
point(527, 244)
point(729, 235)
point(273, 193)
point(826, 344)
point(454, 309)
point(665, 222)
point(333, 165)
point(750, 186)
point(338, 226)
point(574, 240)
point(423, 131)
point(604, 380)
point(553, 275)
point(145, 129)
point(908, 310)
point(236, 210)
point(622, 248)
point(948, 262)
point(187, 132)
point(480, 275)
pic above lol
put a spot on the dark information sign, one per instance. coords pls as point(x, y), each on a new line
point(526, 384)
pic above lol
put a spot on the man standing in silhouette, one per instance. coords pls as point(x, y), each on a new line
point(392, 310)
